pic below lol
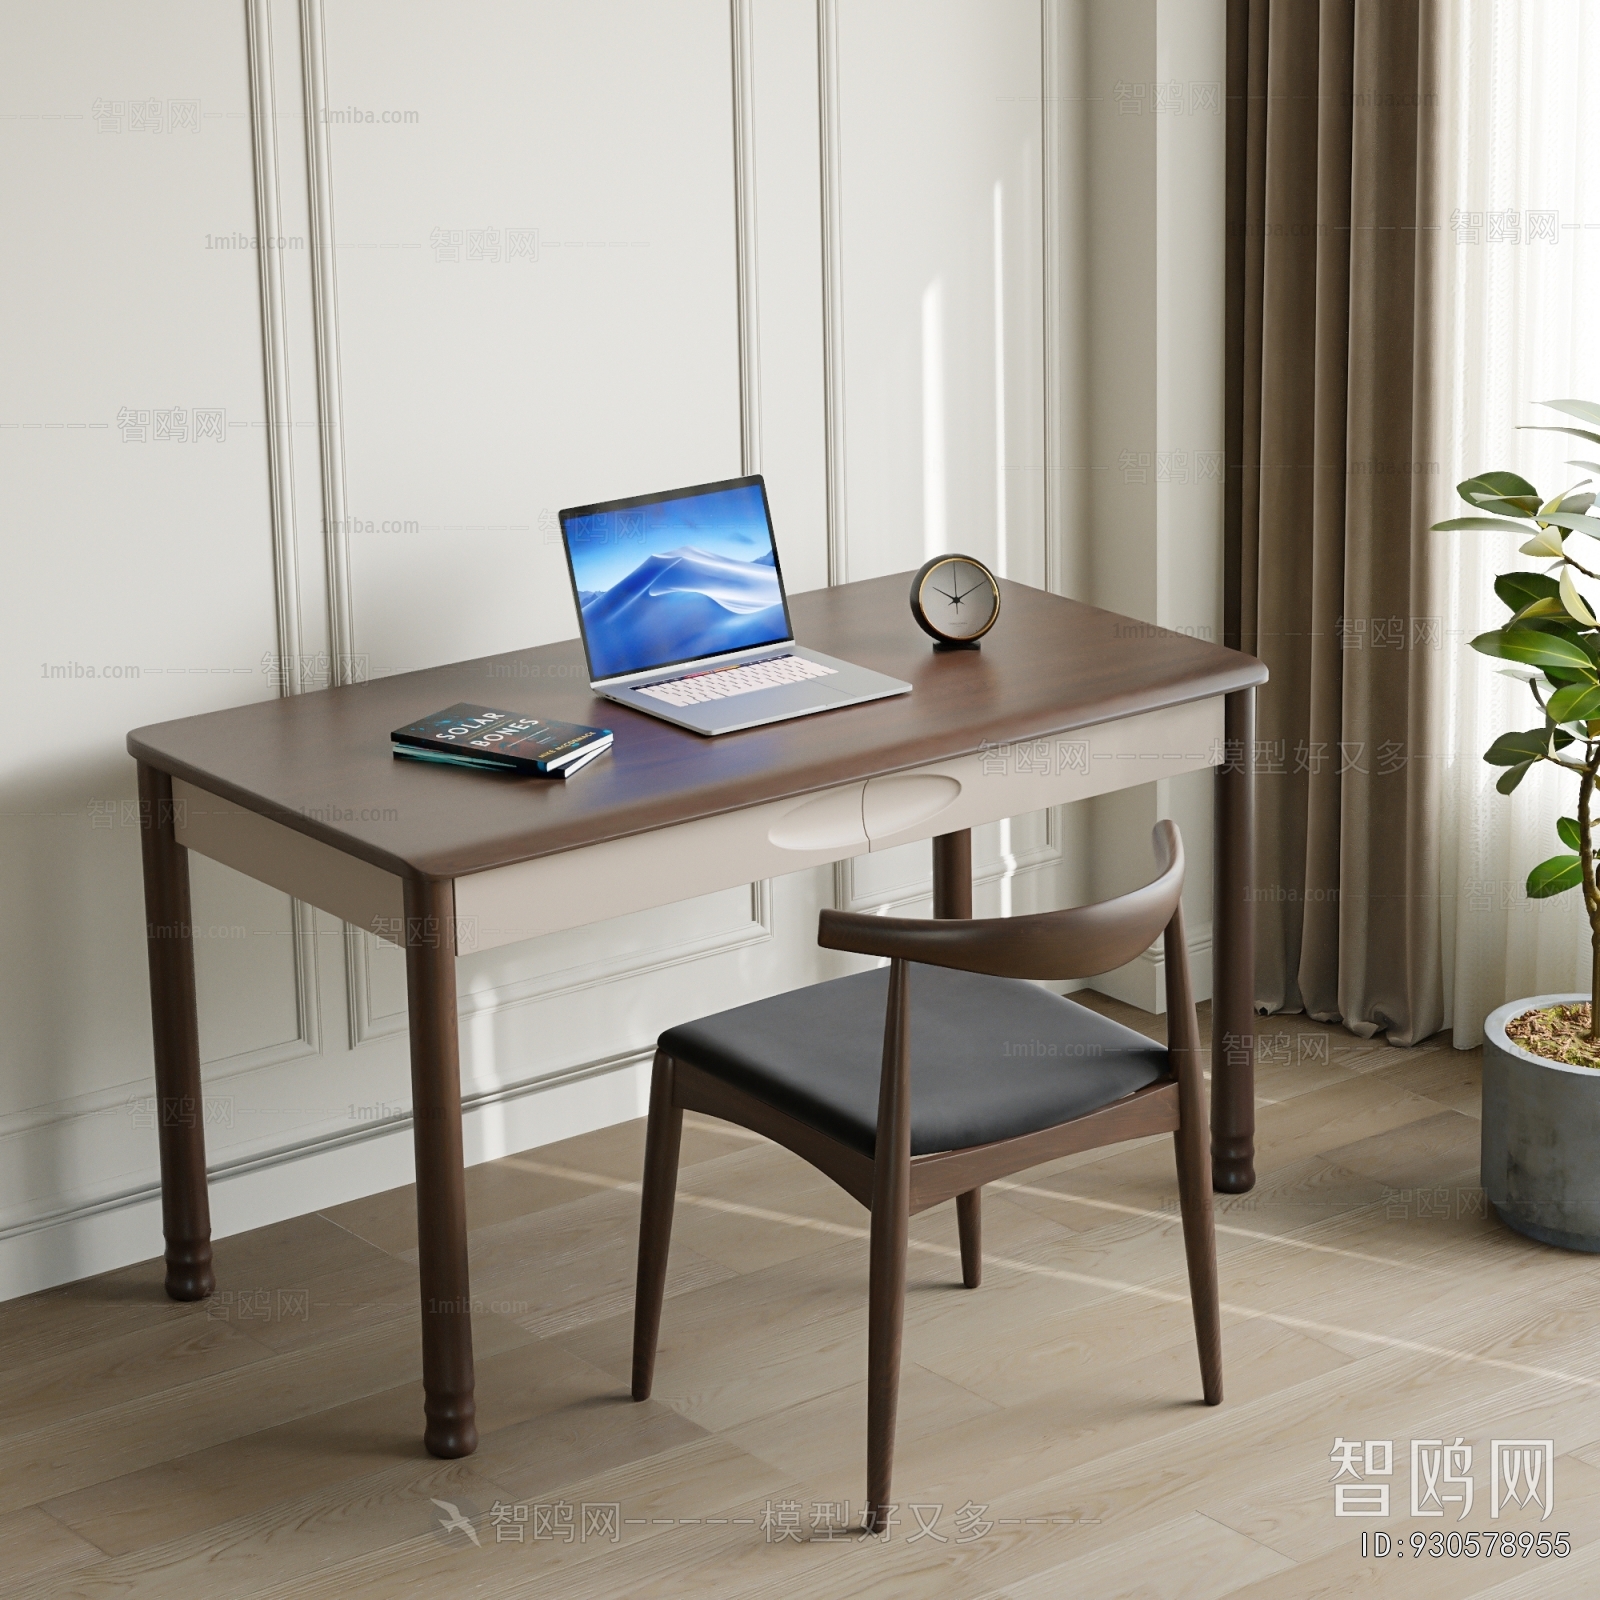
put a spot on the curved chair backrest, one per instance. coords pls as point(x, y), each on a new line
point(1077, 943)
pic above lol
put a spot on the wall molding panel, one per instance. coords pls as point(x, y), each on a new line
point(832, 170)
point(307, 1003)
point(325, 314)
point(275, 370)
point(274, 339)
point(988, 868)
point(637, 223)
point(1055, 377)
point(306, 1042)
point(557, 983)
point(742, 38)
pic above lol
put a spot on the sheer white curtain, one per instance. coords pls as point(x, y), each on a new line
point(1519, 322)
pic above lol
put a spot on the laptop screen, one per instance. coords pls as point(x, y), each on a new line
point(673, 578)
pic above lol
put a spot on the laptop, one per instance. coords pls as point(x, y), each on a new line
point(684, 616)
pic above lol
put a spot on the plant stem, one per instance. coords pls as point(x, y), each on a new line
point(1594, 984)
point(1591, 898)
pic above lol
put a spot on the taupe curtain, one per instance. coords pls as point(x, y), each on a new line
point(1332, 106)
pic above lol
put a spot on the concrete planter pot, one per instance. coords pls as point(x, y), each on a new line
point(1541, 1136)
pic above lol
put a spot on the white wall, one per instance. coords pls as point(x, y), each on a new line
point(1149, 142)
point(536, 254)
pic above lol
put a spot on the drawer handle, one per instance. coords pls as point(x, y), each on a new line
point(825, 822)
point(894, 804)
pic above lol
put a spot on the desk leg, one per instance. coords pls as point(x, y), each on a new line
point(952, 874)
point(180, 1120)
point(447, 1377)
point(1233, 1012)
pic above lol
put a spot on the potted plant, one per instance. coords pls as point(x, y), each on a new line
point(1541, 1055)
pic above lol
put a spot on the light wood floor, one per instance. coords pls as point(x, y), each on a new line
point(268, 1444)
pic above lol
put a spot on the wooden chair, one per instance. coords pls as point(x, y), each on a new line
point(982, 1075)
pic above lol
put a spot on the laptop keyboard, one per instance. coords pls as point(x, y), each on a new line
point(722, 683)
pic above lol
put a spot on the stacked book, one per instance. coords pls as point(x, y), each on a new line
point(501, 741)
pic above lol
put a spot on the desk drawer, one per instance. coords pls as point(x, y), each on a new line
point(1012, 780)
point(653, 869)
point(541, 896)
point(693, 858)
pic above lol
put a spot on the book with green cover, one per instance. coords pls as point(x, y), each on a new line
point(504, 741)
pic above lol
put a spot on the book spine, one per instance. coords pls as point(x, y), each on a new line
point(570, 751)
point(458, 757)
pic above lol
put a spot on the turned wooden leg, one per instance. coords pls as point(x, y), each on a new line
point(180, 1108)
point(1233, 1016)
point(969, 1220)
point(662, 1142)
point(1194, 1161)
point(891, 1226)
point(447, 1377)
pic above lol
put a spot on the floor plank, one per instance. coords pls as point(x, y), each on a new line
point(1051, 1436)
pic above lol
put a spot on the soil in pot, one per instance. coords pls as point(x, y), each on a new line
point(1558, 1033)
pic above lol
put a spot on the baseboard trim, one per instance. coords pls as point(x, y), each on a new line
point(117, 1230)
point(1143, 982)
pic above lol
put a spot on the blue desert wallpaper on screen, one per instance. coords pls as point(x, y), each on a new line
point(675, 581)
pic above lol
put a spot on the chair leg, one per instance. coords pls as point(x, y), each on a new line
point(891, 1226)
point(1193, 1147)
point(1194, 1199)
point(662, 1141)
point(885, 1328)
point(969, 1220)
point(1200, 1246)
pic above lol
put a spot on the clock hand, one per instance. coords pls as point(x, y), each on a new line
point(954, 599)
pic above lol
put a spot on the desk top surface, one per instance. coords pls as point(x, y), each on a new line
point(321, 763)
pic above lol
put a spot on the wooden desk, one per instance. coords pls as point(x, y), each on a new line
point(445, 862)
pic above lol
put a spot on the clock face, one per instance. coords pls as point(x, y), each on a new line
point(957, 597)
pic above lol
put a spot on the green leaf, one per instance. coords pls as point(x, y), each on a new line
point(1577, 433)
point(1561, 677)
point(1480, 525)
point(1540, 609)
point(1588, 466)
point(1546, 542)
point(1568, 500)
point(1534, 647)
point(1503, 493)
point(1509, 779)
point(1506, 505)
point(1562, 625)
point(1512, 749)
point(1579, 703)
point(1583, 410)
point(1574, 603)
point(1575, 521)
point(1519, 589)
point(1554, 876)
point(1506, 483)
point(1568, 829)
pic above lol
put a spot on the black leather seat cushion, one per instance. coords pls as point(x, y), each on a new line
point(991, 1058)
